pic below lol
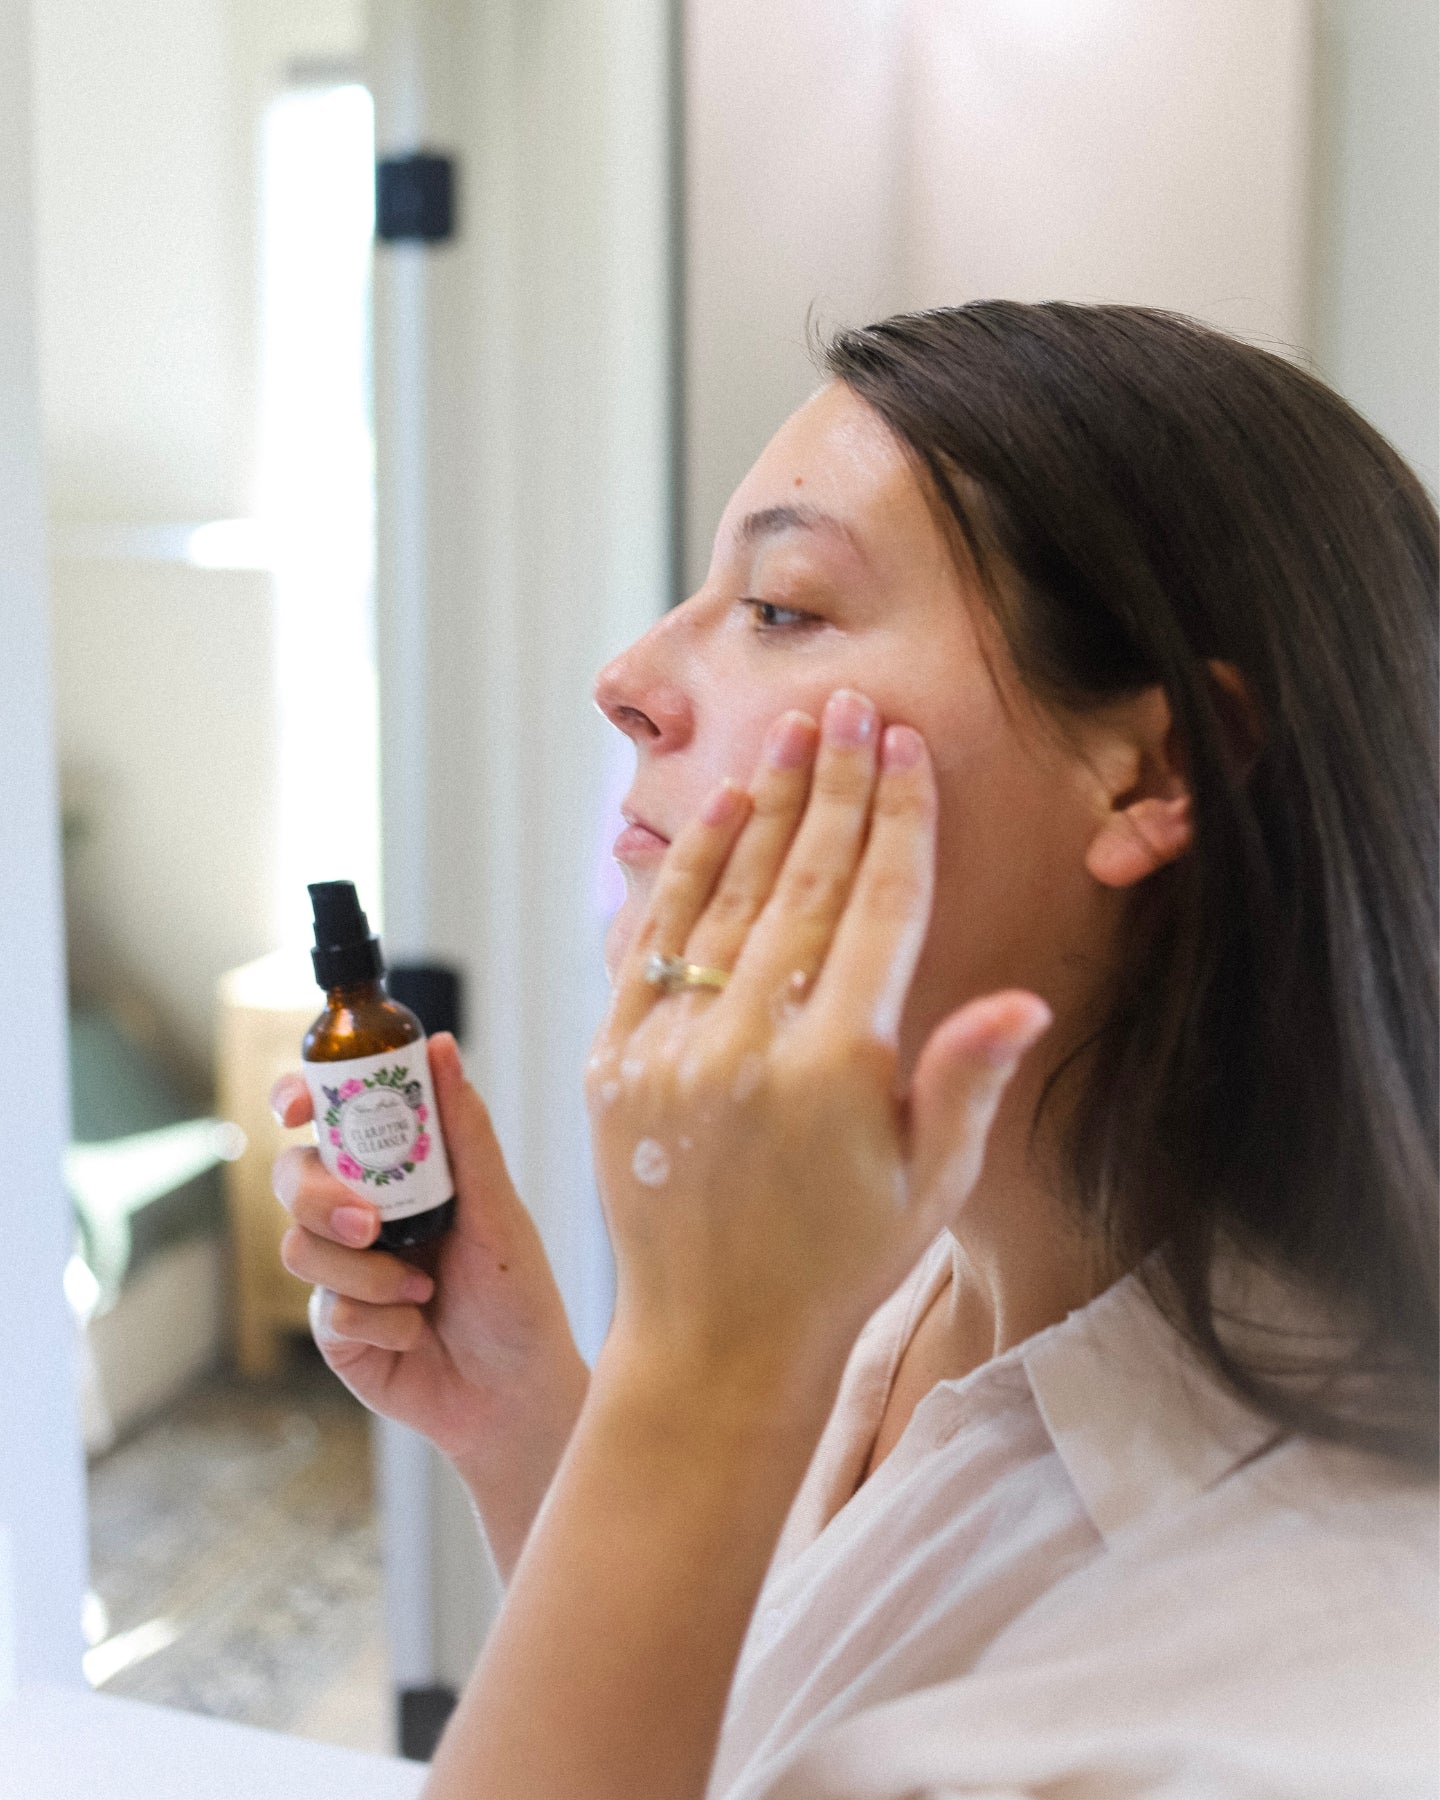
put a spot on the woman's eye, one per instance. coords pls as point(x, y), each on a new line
point(770, 617)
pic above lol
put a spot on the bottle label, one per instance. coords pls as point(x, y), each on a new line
point(378, 1130)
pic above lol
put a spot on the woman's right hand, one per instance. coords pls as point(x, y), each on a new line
point(480, 1360)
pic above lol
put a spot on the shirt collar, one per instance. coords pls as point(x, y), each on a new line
point(1140, 1423)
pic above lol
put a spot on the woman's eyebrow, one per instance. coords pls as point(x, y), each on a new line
point(770, 521)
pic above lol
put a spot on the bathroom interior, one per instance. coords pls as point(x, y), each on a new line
point(337, 526)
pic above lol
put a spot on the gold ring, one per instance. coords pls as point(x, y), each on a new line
point(671, 973)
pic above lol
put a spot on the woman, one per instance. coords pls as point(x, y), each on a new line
point(1015, 1122)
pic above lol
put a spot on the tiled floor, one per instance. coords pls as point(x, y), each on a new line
point(234, 1553)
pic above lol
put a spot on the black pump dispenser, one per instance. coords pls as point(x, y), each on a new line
point(345, 952)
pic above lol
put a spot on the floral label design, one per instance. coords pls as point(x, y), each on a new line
point(374, 1121)
point(376, 1125)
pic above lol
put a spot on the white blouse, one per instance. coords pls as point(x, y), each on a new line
point(1086, 1572)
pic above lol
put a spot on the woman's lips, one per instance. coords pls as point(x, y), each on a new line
point(638, 843)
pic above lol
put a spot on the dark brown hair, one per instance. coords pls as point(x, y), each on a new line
point(1153, 495)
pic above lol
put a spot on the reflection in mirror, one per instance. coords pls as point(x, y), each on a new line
point(211, 491)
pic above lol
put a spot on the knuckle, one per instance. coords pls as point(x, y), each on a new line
point(776, 800)
point(304, 1255)
point(685, 868)
point(842, 777)
point(733, 905)
point(867, 1056)
point(692, 1076)
point(347, 1318)
point(292, 1252)
point(822, 1060)
point(811, 888)
point(599, 1073)
point(753, 1077)
point(792, 1077)
point(892, 893)
point(386, 1279)
point(316, 1195)
point(652, 934)
point(903, 800)
point(638, 1068)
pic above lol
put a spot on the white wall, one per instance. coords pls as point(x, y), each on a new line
point(1153, 152)
point(165, 712)
point(863, 156)
point(145, 155)
point(146, 303)
point(41, 1477)
point(147, 141)
point(793, 144)
point(1269, 165)
point(1377, 290)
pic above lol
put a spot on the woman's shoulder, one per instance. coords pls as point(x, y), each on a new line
point(1262, 1595)
point(1275, 1632)
point(1252, 1602)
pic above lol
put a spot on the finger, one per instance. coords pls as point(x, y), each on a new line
point(777, 801)
point(318, 1310)
point(793, 933)
point(362, 1274)
point(335, 1319)
point(485, 1196)
point(320, 1201)
point(290, 1101)
point(959, 1081)
point(871, 963)
point(684, 884)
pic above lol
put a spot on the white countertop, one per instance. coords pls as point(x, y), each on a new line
point(70, 1744)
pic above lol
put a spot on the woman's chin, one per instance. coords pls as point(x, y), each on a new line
point(620, 934)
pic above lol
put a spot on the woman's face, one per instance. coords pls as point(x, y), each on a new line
point(830, 571)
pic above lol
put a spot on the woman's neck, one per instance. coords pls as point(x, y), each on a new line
point(1022, 1260)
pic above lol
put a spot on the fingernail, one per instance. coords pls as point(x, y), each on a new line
point(281, 1095)
point(1004, 1050)
point(791, 741)
point(849, 719)
point(722, 805)
point(418, 1286)
point(901, 748)
point(321, 1310)
point(353, 1224)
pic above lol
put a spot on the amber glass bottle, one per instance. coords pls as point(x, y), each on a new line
point(369, 1078)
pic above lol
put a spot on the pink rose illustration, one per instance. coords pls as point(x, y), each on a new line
point(348, 1167)
point(334, 1135)
point(351, 1088)
point(422, 1113)
point(421, 1148)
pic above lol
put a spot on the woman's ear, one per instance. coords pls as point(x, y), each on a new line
point(1242, 721)
point(1142, 795)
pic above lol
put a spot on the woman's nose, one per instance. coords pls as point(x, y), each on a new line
point(643, 701)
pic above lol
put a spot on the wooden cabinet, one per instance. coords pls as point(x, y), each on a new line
point(264, 1010)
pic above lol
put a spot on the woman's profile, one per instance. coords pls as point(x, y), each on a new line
point(1015, 1120)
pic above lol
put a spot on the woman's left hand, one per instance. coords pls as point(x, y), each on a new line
point(765, 1185)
